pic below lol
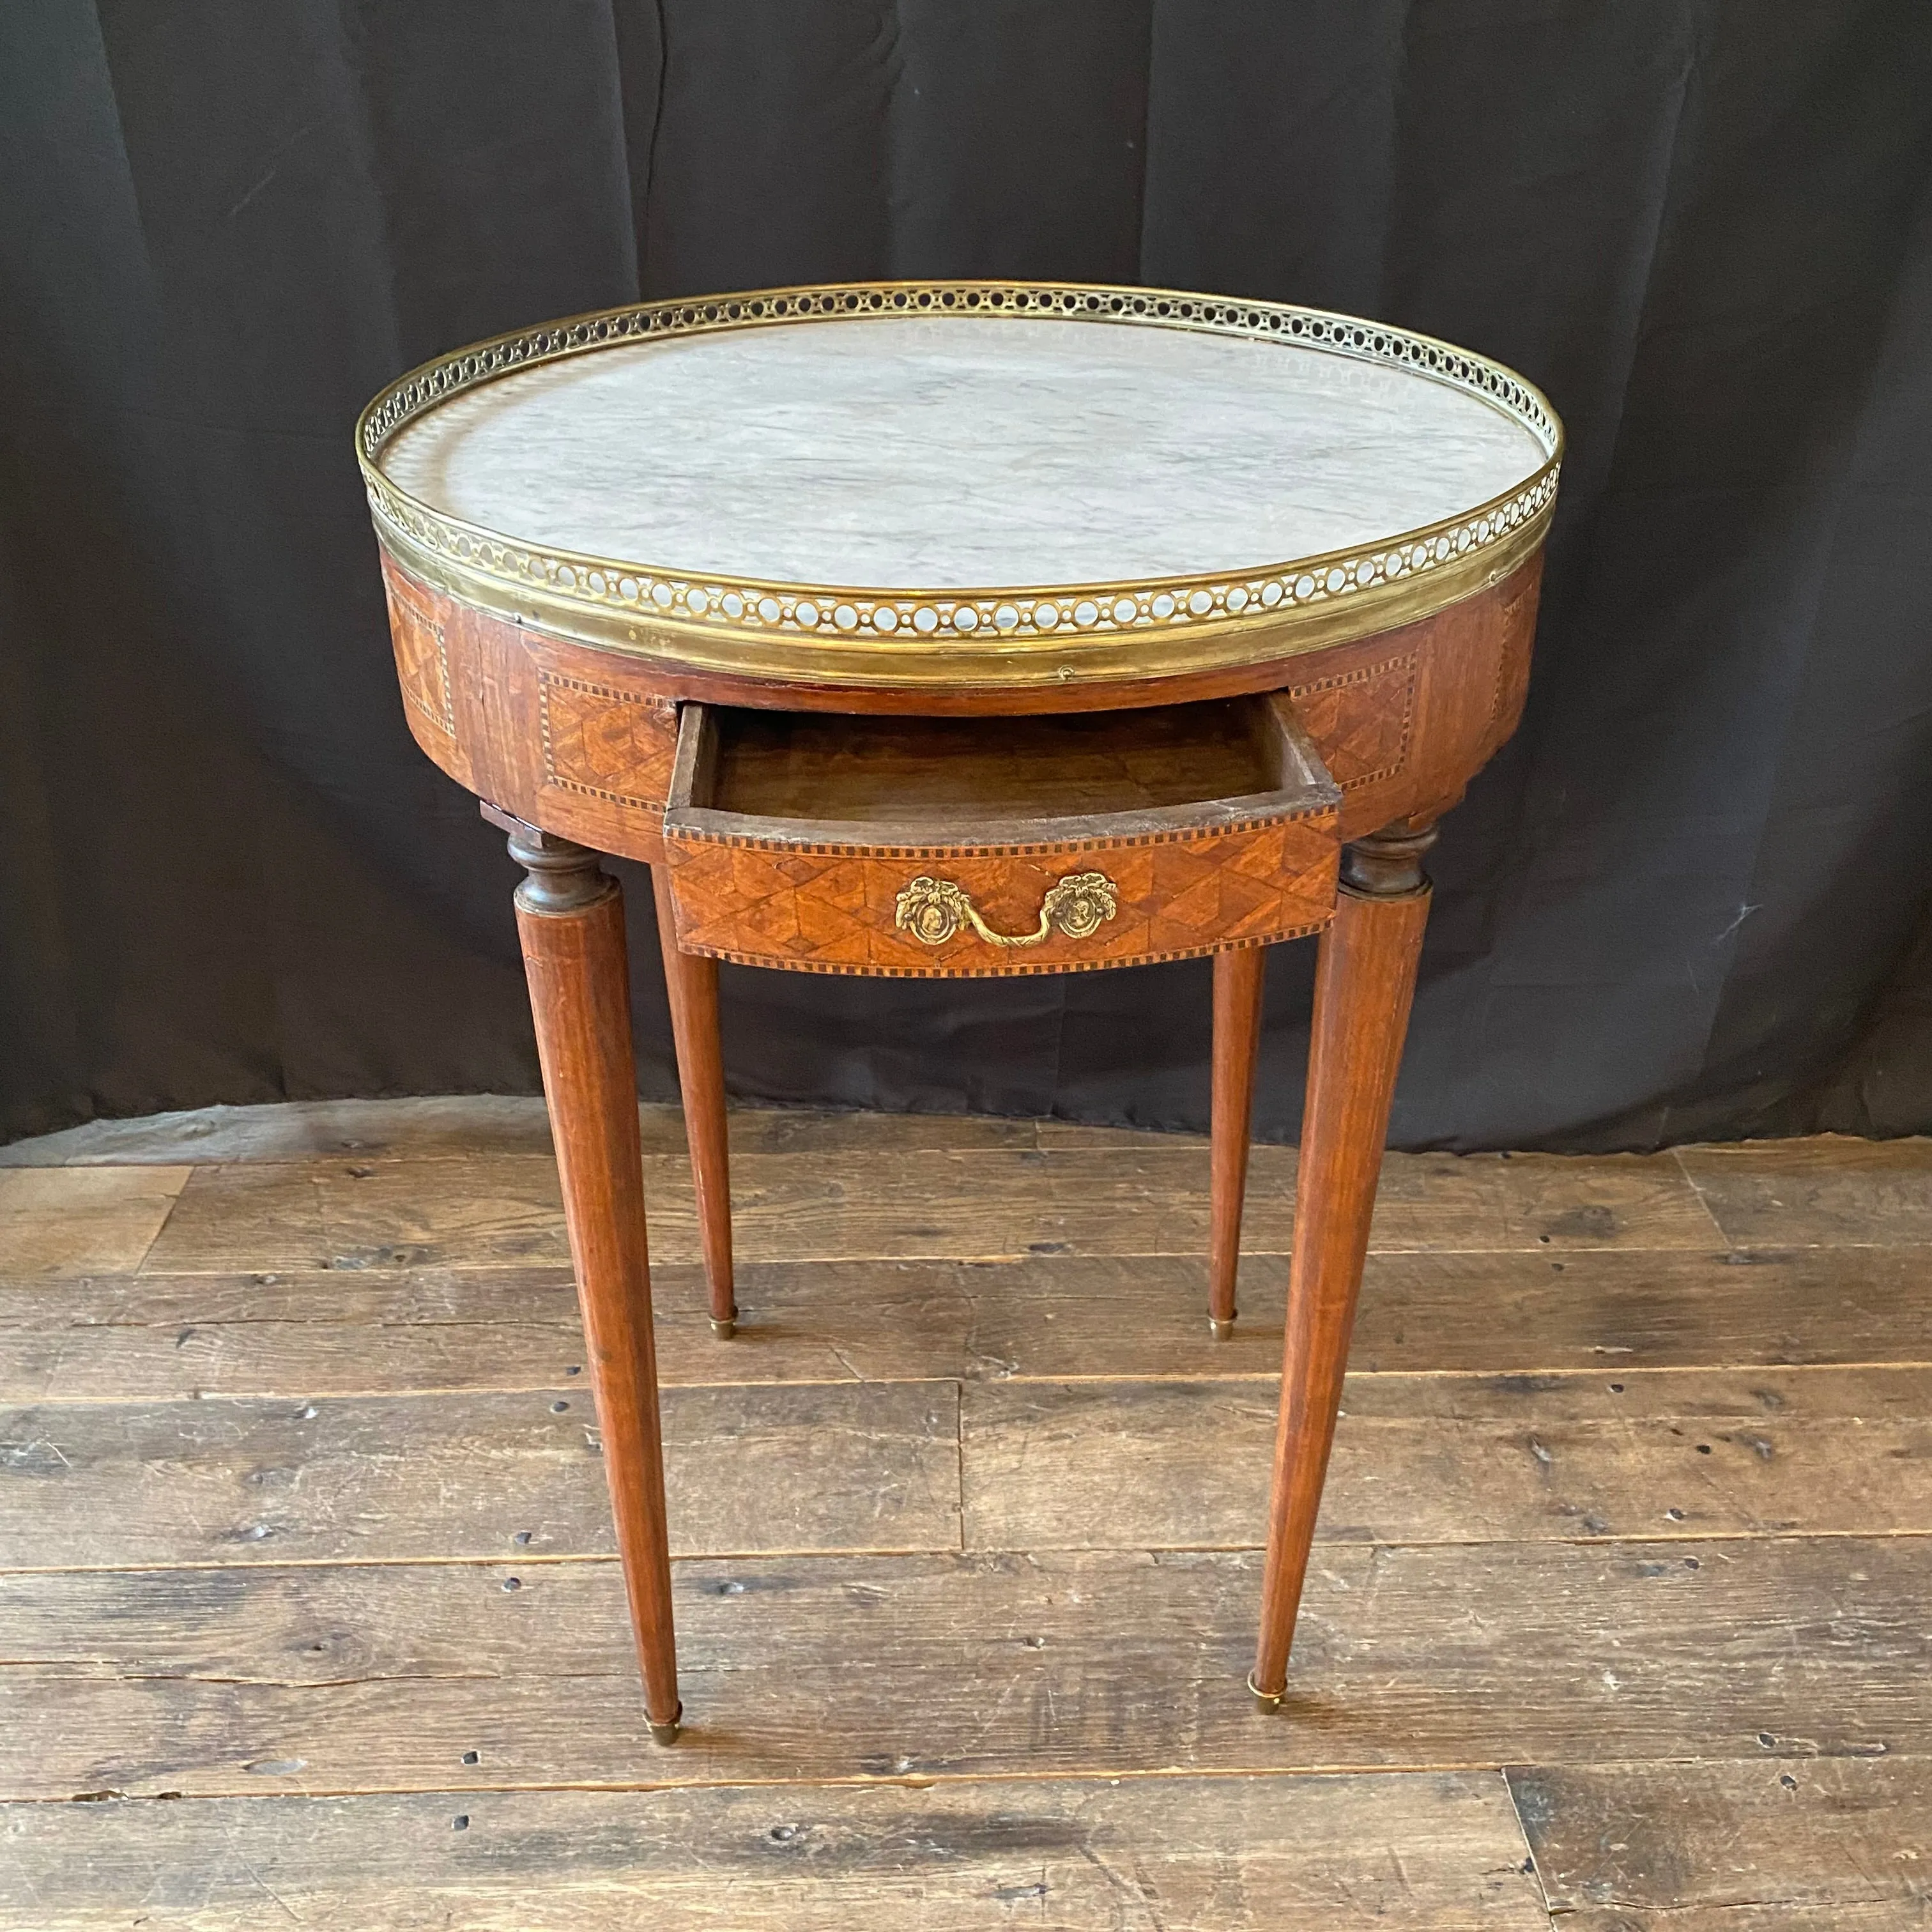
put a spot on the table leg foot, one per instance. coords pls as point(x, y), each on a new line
point(667, 1734)
point(1364, 981)
point(1239, 977)
point(570, 918)
point(691, 984)
point(1267, 1700)
point(726, 1328)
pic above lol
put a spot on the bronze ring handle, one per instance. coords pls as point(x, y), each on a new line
point(933, 909)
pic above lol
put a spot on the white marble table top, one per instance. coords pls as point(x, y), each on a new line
point(959, 453)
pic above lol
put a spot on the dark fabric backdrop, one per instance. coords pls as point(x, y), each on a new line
point(1691, 899)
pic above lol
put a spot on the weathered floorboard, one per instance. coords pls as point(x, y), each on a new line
point(1660, 1309)
point(320, 1374)
point(955, 1205)
point(153, 1337)
point(815, 1466)
point(1783, 1844)
point(1455, 1459)
point(226, 1681)
point(1829, 1191)
point(1431, 1853)
point(64, 1221)
point(465, 1125)
point(1088, 1464)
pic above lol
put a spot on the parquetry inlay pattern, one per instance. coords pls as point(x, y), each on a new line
point(616, 745)
point(1517, 630)
point(1359, 720)
point(422, 658)
point(828, 910)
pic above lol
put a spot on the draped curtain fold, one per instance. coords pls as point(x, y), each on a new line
point(1689, 900)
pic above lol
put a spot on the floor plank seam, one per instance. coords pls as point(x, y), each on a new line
point(1001, 1257)
point(1529, 1867)
point(1420, 1768)
point(524, 1558)
point(1703, 1200)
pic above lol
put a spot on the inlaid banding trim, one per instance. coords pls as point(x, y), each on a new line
point(424, 686)
point(683, 834)
point(789, 964)
point(1508, 650)
point(1333, 745)
point(658, 713)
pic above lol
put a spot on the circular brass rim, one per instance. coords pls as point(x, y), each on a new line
point(1010, 636)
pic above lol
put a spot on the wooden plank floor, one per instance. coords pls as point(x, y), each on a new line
point(1619, 1618)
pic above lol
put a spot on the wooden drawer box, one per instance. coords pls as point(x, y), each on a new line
point(931, 846)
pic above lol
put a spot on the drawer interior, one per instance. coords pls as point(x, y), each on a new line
point(943, 778)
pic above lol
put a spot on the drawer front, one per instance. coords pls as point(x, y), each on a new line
point(963, 911)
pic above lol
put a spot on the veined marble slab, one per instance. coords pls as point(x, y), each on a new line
point(959, 453)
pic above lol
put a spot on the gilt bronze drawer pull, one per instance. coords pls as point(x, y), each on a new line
point(931, 910)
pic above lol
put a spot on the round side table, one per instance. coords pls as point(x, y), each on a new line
point(964, 629)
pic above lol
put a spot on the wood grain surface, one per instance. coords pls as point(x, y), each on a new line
point(152, 1337)
point(1828, 1844)
point(1432, 1853)
point(224, 1680)
point(1099, 1464)
point(58, 1222)
point(377, 1478)
point(1617, 1618)
point(466, 1125)
point(873, 1204)
point(1829, 1191)
point(1508, 1458)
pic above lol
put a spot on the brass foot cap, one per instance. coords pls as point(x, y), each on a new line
point(667, 1734)
point(726, 1329)
point(1222, 1331)
point(1269, 1700)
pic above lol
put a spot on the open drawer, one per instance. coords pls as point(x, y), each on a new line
point(827, 843)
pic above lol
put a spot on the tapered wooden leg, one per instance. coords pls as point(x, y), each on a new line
point(691, 980)
point(570, 917)
point(1364, 981)
point(1238, 980)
